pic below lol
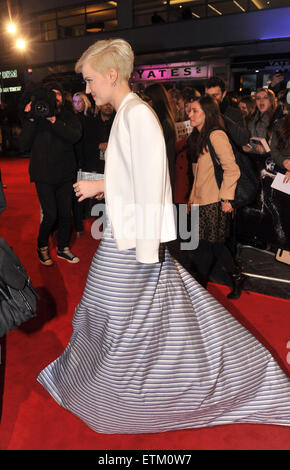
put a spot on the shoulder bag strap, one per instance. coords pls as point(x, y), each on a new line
point(218, 171)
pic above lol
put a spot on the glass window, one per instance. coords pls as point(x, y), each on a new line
point(75, 21)
point(70, 12)
point(47, 16)
point(100, 6)
point(71, 21)
point(249, 81)
point(267, 77)
point(101, 17)
point(150, 12)
point(48, 30)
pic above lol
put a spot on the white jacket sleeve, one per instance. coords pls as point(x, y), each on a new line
point(149, 173)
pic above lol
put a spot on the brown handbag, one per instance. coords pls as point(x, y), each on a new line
point(283, 256)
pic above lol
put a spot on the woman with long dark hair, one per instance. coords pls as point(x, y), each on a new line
point(247, 105)
point(215, 204)
point(160, 103)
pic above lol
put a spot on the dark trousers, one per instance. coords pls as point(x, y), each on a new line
point(56, 203)
point(205, 257)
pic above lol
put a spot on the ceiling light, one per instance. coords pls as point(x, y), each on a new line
point(174, 2)
point(238, 5)
point(214, 9)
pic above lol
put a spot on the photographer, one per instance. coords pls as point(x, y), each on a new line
point(50, 131)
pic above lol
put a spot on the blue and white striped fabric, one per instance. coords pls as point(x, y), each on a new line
point(153, 351)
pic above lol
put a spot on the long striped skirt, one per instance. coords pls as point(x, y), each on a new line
point(152, 351)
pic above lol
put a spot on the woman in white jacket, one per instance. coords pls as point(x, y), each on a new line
point(151, 350)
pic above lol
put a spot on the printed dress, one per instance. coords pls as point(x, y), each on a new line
point(153, 351)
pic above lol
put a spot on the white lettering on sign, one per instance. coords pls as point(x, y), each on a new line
point(279, 63)
point(9, 74)
point(170, 73)
point(10, 89)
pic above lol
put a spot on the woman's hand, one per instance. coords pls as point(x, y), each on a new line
point(286, 164)
point(226, 206)
point(247, 148)
point(103, 146)
point(260, 149)
point(287, 177)
point(189, 204)
point(27, 108)
point(52, 119)
point(84, 189)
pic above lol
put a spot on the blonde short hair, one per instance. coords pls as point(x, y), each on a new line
point(102, 55)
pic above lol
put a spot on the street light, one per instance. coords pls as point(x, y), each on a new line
point(21, 44)
point(11, 28)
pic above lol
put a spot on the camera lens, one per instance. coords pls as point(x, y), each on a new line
point(41, 109)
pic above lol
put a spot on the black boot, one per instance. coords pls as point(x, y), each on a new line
point(238, 282)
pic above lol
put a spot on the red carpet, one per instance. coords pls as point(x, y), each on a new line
point(31, 420)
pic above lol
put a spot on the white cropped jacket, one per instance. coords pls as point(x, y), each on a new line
point(137, 184)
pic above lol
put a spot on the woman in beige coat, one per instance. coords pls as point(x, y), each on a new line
point(215, 203)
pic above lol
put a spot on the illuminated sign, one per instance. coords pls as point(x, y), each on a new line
point(9, 74)
point(170, 72)
point(10, 89)
point(12, 85)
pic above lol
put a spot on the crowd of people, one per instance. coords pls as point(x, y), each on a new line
point(237, 127)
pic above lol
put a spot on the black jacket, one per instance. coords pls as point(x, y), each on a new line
point(103, 132)
point(235, 125)
point(170, 141)
point(279, 155)
point(86, 148)
point(52, 159)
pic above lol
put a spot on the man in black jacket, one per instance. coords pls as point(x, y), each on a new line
point(53, 168)
point(232, 116)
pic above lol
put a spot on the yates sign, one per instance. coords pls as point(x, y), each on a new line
point(170, 72)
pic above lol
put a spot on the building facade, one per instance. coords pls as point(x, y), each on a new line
point(243, 41)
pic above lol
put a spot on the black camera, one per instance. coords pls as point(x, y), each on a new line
point(43, 103)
